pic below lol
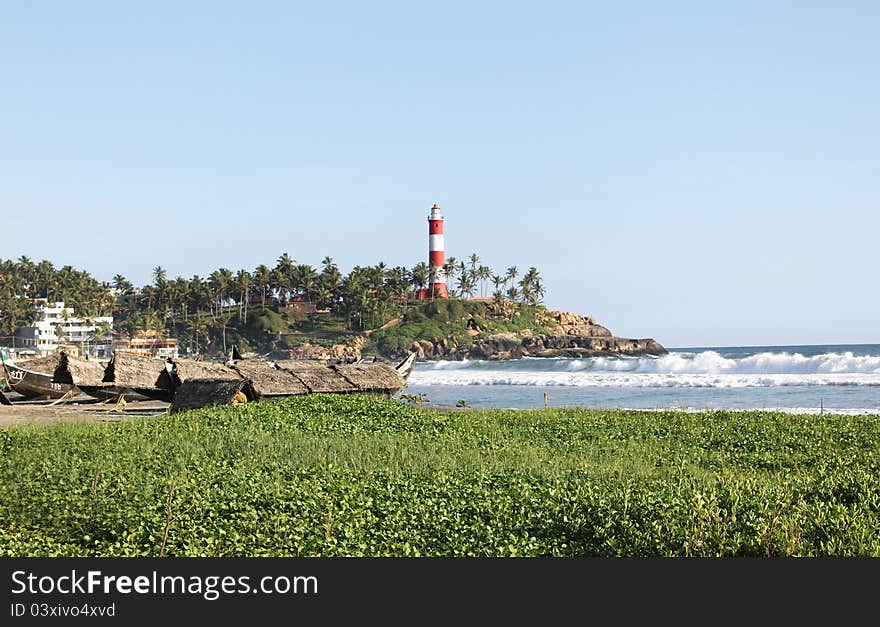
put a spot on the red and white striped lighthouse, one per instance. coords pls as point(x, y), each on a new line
point(436, 254)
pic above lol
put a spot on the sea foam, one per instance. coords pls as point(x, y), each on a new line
point(677, 369)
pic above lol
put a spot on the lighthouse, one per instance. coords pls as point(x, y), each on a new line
point(436, 255)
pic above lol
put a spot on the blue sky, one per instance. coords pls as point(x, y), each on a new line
point(701, 173)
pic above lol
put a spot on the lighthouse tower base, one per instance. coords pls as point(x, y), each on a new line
point(426, 293)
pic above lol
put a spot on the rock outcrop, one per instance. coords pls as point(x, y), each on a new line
point(571, 336)
point(338, 353)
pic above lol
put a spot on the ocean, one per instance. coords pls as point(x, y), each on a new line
point(797, 379)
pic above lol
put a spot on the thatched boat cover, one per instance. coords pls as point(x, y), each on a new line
point(269, 381)
point(372, 378)
point(320, 379)
point(76, 371)
point(187, 369)
point(43, 365)
point(196, 393)
point(299, 364)
point(139, 372)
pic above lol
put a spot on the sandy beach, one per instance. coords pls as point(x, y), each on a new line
point(77, 409)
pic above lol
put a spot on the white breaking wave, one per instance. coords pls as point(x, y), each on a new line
point(705, 369)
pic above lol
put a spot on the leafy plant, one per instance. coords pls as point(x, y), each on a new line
point(330, 475)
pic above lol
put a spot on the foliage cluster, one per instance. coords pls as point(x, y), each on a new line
point(24, 280)
point(351, 475)
point(208, 314)
point(436, 320)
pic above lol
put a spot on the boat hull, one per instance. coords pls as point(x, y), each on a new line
point(154, 394)
point(112, 393)
point(37, 385)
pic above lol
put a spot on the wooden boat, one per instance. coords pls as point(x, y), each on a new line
point(405, 367)
point(203, 385)
point(88, 376)
point(142, 375)
point(34, 379)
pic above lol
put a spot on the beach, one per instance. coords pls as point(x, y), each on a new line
point(79, 409)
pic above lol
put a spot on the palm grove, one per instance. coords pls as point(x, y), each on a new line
point(200, 310)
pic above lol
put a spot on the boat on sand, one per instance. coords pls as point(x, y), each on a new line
point(33, 379)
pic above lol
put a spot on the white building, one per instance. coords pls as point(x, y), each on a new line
point(42, 336)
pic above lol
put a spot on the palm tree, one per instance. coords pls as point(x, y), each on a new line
point(531, 286)
point(100, 332)
point(304, 280)
point(197, 326)
point(420, 275)
point(474, 260)
point(397, 280)
point(279, 284)
point(26, 268)
point(498, 281)
point(330, 280)
point(221, 283)
point(466, 285)
point(283, 272)
point(222, 322)
point(159, 275)
point(199, 294)
point(434, 276)
point(122, 284)
point(263, 278)
point(285, 263)
point(180, 299)
point(323, 296)
point(539, 292)
point(450, 269)
point(243, 285)
point(484, 273)
point(512, 273)
point(43, 279)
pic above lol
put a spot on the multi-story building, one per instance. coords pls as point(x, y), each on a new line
point(43, 335)
point(149, 343)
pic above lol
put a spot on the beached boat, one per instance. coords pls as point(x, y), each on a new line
point(203, 385)
point(189, 384)
point(88, 376)
point(34, 379)
point(145, 376)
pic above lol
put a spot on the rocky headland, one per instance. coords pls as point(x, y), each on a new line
point(476, 330)
point(570, 335)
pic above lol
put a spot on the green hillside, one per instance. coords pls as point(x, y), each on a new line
point(266, 330)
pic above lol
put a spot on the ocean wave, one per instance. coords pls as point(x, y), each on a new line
point(680, 363)
point(635, 379)
point(705, 369)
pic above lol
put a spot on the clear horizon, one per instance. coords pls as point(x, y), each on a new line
point(702, 176)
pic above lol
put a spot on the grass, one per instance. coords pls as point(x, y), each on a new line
point(350, 475)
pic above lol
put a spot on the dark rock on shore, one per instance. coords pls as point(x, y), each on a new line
point(572, 336)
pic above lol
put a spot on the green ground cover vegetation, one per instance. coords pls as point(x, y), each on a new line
point(362, 476)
